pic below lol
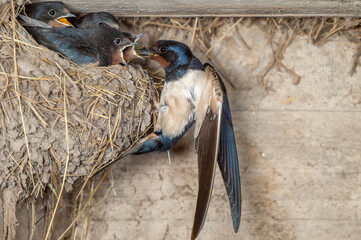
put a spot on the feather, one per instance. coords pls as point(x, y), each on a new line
point(227, 156)
point(31, 22)
point(207, 144)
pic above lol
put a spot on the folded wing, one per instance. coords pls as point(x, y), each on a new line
point(207, 147)
point(227, 155)
point(72, 43)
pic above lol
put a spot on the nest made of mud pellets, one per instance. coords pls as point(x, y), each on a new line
point(57, 117)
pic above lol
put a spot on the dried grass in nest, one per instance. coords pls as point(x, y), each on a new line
point(59, 121)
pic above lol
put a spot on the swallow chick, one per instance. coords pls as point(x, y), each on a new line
point(46, 15)
point(93, 19)
point(129, 52)
point(102, 19)
point(194, 93)
point(90, 47)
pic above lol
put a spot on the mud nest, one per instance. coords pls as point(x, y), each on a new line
point(59, 120)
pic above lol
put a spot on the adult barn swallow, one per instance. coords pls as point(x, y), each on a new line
point(101, 19)
point(46, 14)
point(92, 47)
point(194, 93)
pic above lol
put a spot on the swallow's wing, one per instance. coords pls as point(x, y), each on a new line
point(215, 142)
point(70, 42)
point(207, 148)
point(208, 111)
point(227, 155)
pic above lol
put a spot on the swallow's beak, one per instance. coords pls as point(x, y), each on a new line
point(63, 19)
point(138, 36)
point(126, 43)
point(129, 54)
point(132, 37)
point(136, 53)
point(144, 52)
point(123, 62)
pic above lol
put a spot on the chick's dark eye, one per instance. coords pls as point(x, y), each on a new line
point(101, 24)
point(52, 12)
point(117, 41)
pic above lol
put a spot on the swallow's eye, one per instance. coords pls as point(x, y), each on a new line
point(117, 41)
point(163, 49)
point(51, 12)
point(101, 24)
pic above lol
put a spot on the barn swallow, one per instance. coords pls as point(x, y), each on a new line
point(46, 15)
point(101, 19)
point(194, 93)
point(93, 19)
point(92, 47)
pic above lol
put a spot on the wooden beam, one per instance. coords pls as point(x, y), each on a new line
point(186, 8)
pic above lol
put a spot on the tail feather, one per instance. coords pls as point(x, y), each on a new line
point(154, 142)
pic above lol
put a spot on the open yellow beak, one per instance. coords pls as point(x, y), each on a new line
point(64, 21)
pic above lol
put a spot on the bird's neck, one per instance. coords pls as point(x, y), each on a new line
point(175, 71)
point(172, 74)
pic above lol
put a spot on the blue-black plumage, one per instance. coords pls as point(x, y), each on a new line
point(99, 46)
point(95, 19)
point(228, 160)
point(105, 19)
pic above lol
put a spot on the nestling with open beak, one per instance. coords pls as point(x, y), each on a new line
point(46, 15)
point(101, 19)
point(91, 47)
point(194, 93)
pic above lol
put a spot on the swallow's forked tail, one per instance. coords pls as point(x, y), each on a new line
point(154, 142)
